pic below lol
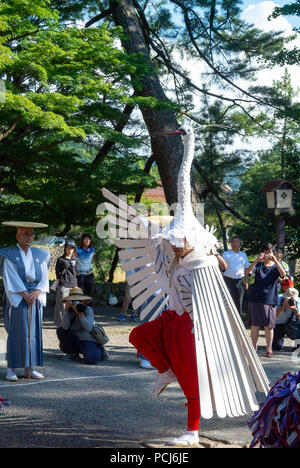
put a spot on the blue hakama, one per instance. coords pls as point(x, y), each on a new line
point(16, 321)
point(17, 271)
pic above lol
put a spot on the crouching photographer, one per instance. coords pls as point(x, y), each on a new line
point(76, 333)
point(288, 318)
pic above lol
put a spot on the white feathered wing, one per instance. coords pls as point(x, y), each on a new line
point(137, 252)
point(229, 370)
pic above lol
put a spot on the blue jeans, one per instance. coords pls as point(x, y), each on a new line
point(70, 344)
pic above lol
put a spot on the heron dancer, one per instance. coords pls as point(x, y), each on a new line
point(200, 341)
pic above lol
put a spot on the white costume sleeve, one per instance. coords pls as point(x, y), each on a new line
point(43, 285)
point(14, 285)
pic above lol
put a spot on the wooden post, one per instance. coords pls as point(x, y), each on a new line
point(280, 230)
point(30, 316)
point(30, 319)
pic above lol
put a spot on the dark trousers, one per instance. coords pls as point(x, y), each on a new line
point(237, 291)
point(70, 344)
point(86, 283)
point(279, 333)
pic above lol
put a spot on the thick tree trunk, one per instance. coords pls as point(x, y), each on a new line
point(167, 150)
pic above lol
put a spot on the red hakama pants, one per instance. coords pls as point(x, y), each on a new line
point(168, 343)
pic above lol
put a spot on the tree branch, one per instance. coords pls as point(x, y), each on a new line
point(216, 194)
point(203, 56)
point(10, 129)
point(166, 61)
point(108, 145)
point(99, 17)
point(66, 229)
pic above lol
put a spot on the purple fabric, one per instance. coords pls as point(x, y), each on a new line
point(277, 423)
point(3, 402)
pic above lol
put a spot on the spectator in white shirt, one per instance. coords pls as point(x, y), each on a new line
point(237, 262)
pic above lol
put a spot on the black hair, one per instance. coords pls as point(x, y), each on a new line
point(82, 237)
point(68, 245)
point(236, 237)
point(268, 246)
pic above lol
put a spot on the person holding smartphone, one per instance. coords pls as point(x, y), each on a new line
point(263, 295)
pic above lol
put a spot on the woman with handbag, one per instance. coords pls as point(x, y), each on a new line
point(75, 335)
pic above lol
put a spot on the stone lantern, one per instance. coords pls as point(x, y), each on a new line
point(280, 199)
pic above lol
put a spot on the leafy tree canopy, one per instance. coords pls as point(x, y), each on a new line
point(67, 96)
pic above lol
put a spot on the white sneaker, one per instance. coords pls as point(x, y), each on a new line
point(34, 375)
point(11, 375)
point(189, 439)
point(145, 364)
point(163, 380)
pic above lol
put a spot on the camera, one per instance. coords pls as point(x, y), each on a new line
point(291, 302)
point(79, 306)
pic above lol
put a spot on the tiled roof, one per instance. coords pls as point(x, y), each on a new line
point(276, 184)
point(156, 194)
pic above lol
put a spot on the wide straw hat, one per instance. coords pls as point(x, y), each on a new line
point(76, 294)
point(24, 224)
point(161, 220)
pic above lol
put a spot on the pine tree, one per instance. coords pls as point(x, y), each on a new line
point(67, 100)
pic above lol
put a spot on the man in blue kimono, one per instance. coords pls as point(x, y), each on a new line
point(25, 276)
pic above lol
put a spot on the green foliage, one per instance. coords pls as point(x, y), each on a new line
point(66, 88)
point(221, 164)
point(253, 205)
point(297, 281)
point(288, 9)
point(286, 56)
point(251, 170)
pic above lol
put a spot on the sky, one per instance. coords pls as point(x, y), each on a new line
point(293, 20)
point(256, 13)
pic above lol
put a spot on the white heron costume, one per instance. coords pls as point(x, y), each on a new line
point(227, 368)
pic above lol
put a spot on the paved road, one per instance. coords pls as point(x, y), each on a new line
point(106, 405)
